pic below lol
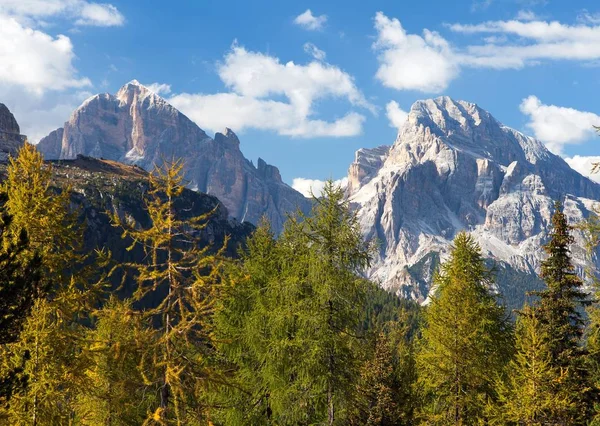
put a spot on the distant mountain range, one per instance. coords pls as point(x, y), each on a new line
point(136, 126)
point(452, 167)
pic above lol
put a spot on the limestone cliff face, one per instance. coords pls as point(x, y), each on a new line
point(10, 138)
point(136, 126)
point(454, 167)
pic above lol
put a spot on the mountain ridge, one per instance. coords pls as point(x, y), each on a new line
point(454, 167)
point(137, 126)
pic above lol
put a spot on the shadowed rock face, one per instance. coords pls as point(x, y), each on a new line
point(136, 126)
point(454, 167)
point(10, 138)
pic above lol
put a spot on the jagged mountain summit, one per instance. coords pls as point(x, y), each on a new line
point(136, 126)
point(454, 167)
point(11, 138)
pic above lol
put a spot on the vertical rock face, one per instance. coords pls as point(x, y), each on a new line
point(454, 167)
point(10, 138)
point(136, 126)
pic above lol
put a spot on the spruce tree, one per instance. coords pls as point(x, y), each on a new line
point(466, 340)
point(185, 278)
point(559, 310)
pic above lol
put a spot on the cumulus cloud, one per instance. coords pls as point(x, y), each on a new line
point(39, 114)
point(309, 21)
point(409, 61)
point(584, 164)
point(396, 115)
point(428, 62)
point(314, 51)
point(254, 79)
point(558, 126)
point(309, 187)
point(159, 88)
point(36, 61)
point(81, 11)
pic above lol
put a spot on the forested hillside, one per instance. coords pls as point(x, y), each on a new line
point(212, 328)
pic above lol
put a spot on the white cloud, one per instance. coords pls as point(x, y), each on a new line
point(102, 15)
point(428, 62)
point(39, 114)
point(589, 18)
point(396, 115)
point(314, 51)
point(159, 88)
point(558, 126)
point(409, 61)
point(81, 11)
point(309, 21)
point(309, 187)
point(584, 165)
point(255, 78)
point(36, 61)
point(526, 15)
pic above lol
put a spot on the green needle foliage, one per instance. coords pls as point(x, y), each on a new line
point(466, 340)
point(289, 325)
point(531, 393)
point(559, 311)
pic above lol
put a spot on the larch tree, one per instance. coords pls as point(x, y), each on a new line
point(117, 393)
point(244, 330)
point(184, 277)
point(528, 394)
point(48, 353)
point(466, 340)
point(289, 324)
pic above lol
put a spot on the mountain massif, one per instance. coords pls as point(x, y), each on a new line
point(136, 126)
point(454, 167)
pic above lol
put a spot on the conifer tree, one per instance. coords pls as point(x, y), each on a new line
point(49, 371)
point(52, 367)
point(185, 277)
point(290, 326)
point(466, 340)
point(117, 393)
point(529, 394)
point(44, 213)
point(559, 310)
point(381, 401)
point(244, 331)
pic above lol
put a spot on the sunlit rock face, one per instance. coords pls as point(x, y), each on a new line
point(136, 126)
point(11, 138)
point(454, 167)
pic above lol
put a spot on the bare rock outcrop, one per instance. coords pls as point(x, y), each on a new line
point(136, 126)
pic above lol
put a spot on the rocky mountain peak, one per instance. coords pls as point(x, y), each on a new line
point(454, 167)
point(10, 138)
point(227, 138)
point(136, 126)
point(136, 93)
point(268, 171)
point(8, 123)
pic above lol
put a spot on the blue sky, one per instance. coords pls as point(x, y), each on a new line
point(305, 84)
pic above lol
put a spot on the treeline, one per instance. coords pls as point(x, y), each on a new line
point(286, 334)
